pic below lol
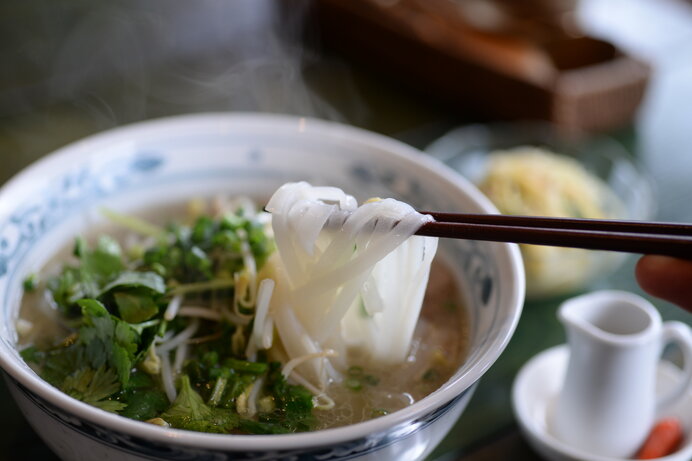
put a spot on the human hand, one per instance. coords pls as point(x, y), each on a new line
point(666, 278)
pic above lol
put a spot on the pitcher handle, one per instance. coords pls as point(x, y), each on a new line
point(680, 334)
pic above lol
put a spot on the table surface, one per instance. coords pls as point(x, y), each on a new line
point(327, 87)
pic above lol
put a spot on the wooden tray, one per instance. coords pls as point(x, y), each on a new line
point(530, 71)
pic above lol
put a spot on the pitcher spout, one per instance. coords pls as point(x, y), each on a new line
point(610, 316)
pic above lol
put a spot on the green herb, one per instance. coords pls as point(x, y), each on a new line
point(107, 339)
point(115, 304)
point(32, 354)
point(56, 364)
point(200, 287)
point(357, 378)
point(353, 383)
point(356, 371)
point(244, 366)
point(148, 281)
point(94, 387)
point(143, 397)
point(30, 283)
point(104, 262)
point(248, 426)
point(96, 269)
point(190, 412)
point(136, 294)
point(144, 404)
point(188, 406)
point(132, 222)
point(218, 391)
point(371, 380)
point(293, 404)
point(431, 375)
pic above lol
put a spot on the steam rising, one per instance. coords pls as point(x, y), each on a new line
point(121, 62)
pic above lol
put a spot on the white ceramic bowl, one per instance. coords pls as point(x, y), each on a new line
point(170, 160)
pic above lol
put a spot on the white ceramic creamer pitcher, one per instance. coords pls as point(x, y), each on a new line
point(608, 401)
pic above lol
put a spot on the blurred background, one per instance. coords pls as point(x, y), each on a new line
point(410, 69)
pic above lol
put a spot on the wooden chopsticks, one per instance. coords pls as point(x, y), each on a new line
point(663, 238)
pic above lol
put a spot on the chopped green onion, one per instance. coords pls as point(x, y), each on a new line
point(256, 368)
point(30, 283)
point(431, 375)
point(353, 383)
point(218, 391)
point(197, 287)
point(371, 380)
point(136, 224)
point(355, 371)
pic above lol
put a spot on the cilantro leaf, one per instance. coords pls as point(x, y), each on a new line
point(220, 421)
point(107, 339)
point(94, 387)
point(56, 364)
point(145, 404)
point(147, 281)
point(67, 289)
point(135, 294)
point(105, 261)
point(144, 399)
point(134, 306)
point(188, 406)
point(293, 404)
point(96, 268)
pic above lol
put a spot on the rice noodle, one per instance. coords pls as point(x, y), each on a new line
point(347, 277)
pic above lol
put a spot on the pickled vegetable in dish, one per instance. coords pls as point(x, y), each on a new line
point(234, 320)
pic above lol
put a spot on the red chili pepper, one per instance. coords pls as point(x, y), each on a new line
point(664, 439)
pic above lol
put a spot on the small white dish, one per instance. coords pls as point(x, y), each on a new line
point(537, 385)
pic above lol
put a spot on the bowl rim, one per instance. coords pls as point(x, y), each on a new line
point(508, 254)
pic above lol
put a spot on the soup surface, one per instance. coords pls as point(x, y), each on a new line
point(154, 322)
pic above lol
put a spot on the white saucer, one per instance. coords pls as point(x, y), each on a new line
point(536, 386)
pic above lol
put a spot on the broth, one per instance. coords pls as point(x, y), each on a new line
point(439, 344)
